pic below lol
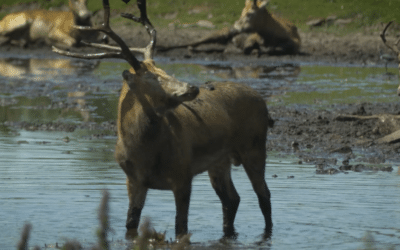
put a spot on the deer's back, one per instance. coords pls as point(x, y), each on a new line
point(233, 104)
point(226, 119)
point(39, 23)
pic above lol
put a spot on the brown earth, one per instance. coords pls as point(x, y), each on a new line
point(317, 46)
point(316, 136)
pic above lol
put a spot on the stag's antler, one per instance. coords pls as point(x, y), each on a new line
point(148, 51)
point(392, 48)
point(123, 51)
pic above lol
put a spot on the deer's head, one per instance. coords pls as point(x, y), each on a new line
point(152, 83)
point(81, 13)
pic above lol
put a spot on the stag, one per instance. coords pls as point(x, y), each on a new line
point(392, 47)
point(53, 27)
point(170, 131)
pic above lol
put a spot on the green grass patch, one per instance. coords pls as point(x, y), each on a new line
point(225, 12)
point(363, 12)
point(369, 11)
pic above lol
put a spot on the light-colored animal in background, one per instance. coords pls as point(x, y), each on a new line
point(263, 25)
point(256, 27)
point(53, 27)
point(170, 131)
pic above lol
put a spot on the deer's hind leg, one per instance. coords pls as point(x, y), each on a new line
point(254, 165)
point(221, 181)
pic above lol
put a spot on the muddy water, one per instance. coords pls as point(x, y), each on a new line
point(54, 179)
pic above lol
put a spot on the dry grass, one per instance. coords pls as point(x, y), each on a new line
point(103, 217)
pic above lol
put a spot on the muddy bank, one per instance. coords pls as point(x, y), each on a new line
point(322, 137)
point(355, 48)
point(317, 46)
point(316, 136)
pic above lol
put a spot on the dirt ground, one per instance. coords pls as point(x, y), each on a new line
point(317, 46)
point(319, 137)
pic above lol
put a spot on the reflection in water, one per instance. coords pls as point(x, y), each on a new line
point(78, 98)
point(257, 72)
point(37, 101)
point(42, 69)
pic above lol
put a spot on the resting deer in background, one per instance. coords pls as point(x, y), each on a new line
point(170, 131)
point(256, 27)
point(392, 48)
point(53, 27)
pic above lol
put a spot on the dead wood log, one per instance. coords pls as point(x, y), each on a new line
point(386, 124)
point(391, 138)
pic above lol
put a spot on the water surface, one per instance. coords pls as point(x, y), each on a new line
point(56, 185)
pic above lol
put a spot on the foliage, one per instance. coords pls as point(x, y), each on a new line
point(225, 12)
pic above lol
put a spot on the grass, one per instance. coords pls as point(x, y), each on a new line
point(368, 11)
point(226, 12)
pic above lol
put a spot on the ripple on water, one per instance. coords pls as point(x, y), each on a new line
point(59, 194)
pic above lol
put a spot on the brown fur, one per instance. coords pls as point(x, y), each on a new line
point(53, 27)
point(166, 137)
point(275, 31)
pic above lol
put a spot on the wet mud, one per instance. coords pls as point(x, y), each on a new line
point(334, 145)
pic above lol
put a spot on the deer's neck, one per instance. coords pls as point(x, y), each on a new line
point(135, 112)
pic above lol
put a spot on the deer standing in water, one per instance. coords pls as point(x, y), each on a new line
point(170, 131)
point(53, 27)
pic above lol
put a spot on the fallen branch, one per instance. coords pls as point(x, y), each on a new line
point(391, 138)
point(365, 117)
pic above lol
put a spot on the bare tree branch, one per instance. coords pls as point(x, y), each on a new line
point(393, 48)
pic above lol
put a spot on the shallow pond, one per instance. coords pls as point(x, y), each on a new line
point(54, 179)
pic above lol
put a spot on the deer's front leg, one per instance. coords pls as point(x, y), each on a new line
point(137, 196)
point(62, 38)
point(182, 200)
